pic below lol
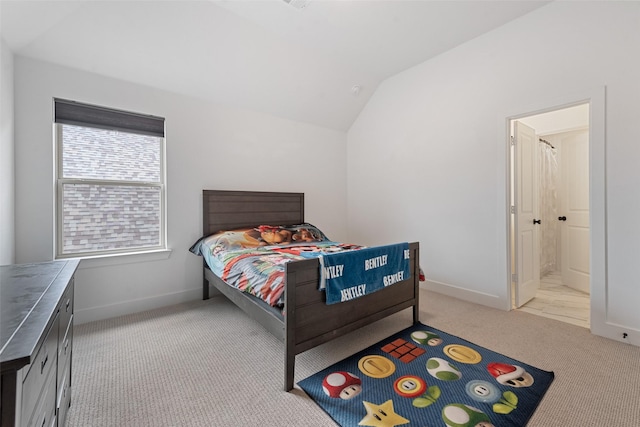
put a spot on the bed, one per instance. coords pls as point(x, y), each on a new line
point(309, 321)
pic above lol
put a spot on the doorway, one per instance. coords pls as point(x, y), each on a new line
point(549, 221)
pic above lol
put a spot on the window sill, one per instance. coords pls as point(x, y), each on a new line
point(119, 259)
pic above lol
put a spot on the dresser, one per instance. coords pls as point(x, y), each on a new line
point(36, 337)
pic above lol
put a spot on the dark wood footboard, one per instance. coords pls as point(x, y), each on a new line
point(309, 321)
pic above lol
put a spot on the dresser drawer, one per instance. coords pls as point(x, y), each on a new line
point(64, 351)
point(65, 398)
point(38, 371)
point(66, 308)
point(44, 414)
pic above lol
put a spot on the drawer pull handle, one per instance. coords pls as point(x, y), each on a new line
point(68, 303)
point(43, 363)
point(44, 421)
point(66, 345)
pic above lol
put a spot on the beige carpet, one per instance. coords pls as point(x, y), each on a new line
point(204, 363)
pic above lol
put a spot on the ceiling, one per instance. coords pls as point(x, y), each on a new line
point(558, 121)
point(319, 64)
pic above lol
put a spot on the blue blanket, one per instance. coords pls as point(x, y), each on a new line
point(352, 274)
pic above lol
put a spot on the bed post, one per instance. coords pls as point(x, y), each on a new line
point(205, 282)
point(416, 283)
point(206, 217)
point(289, 329)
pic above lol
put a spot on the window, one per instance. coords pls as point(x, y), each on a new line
point(110, 192)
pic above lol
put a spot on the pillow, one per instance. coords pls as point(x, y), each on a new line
point(224, 240)
point(288, 234)
point(262, 235)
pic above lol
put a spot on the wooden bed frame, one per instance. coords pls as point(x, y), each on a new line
point(309, 321)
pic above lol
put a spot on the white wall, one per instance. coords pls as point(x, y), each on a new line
point(427, 156)
point(7, 183)
point(208, 147)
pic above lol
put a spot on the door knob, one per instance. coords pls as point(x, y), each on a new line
point(536, 221)
point(562, 218)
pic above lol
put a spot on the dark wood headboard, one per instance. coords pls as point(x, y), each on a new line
point(227, 210)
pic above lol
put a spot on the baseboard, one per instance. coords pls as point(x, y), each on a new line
point(91, 314)
point(615, 332)
point(488, 300)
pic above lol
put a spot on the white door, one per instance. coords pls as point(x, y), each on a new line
point(574, 211)
point(527, 274)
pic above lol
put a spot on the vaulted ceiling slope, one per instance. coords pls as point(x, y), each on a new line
point(264, 55)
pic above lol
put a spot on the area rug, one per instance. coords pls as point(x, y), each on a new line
point(422, 376)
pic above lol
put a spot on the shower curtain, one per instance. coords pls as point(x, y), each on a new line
point(548, 168)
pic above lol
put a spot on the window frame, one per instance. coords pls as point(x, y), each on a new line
point(61, 181)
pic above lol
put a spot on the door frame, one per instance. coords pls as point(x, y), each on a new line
point(542, 103)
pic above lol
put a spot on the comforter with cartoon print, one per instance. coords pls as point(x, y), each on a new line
point(253, 259)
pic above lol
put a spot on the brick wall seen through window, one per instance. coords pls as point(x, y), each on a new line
point(111, 190)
